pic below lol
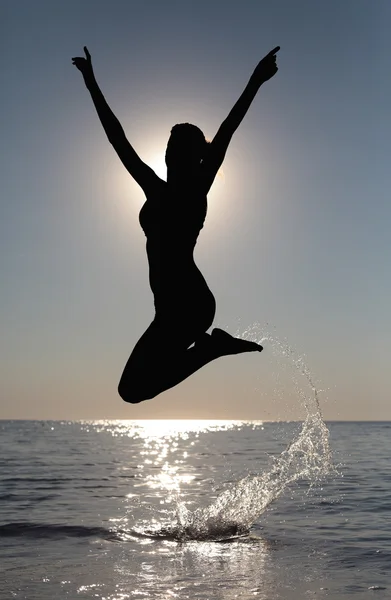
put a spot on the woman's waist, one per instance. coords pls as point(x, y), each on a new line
point(171, 243)
point(175, 273)
point(179, 274)
point(181, 293)
point(164, 256)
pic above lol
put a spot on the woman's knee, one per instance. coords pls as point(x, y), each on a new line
point(133, 391)
point(133, 394)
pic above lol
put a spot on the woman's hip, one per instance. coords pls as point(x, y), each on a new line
point(192, 306)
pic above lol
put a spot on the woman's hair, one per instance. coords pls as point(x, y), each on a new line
point(186, 139)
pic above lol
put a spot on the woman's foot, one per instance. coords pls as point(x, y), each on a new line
point(226, 344)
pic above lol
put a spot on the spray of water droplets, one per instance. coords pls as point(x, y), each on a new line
point(307, 457)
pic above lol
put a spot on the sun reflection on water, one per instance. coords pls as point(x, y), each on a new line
point(161, 428)
point(161, 451)
point(163, 459)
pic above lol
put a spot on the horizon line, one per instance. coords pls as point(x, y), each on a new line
point(89, 420)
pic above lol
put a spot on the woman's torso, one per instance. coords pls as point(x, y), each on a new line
point(172, 218)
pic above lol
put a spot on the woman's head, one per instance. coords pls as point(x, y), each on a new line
point(186, 147)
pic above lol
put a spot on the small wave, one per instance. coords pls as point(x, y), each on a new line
point(57, 531)
point(222, 532)
point(377, 587)
point(8, 497)
point(51, 480)
point(19, 497)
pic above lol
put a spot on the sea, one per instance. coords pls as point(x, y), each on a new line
point(198, 510)
point(194, 510)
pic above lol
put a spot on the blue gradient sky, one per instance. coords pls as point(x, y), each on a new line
point(297, 234)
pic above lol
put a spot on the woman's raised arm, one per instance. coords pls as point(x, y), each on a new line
point(141, 172)
point(265, 70)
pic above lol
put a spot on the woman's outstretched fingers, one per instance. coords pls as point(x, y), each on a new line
point(274, 51)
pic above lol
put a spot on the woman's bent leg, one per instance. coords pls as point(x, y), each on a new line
point(161, 360)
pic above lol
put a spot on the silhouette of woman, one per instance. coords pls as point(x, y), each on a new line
point(176, 344)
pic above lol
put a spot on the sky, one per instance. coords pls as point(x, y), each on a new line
point(297, 236)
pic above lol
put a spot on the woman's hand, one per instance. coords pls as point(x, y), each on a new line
point(267, 67)
point(83, 64)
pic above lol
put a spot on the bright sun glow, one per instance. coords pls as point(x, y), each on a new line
point(153, 154)
point(216, 195)
point(157, 163)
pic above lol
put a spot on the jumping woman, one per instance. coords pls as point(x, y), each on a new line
point(176, 344)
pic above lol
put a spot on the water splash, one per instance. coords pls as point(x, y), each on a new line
point(307, 457)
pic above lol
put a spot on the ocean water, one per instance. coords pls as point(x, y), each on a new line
point(195, 510)
point(198, 510)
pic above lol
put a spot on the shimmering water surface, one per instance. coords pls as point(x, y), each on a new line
point(195, 510)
